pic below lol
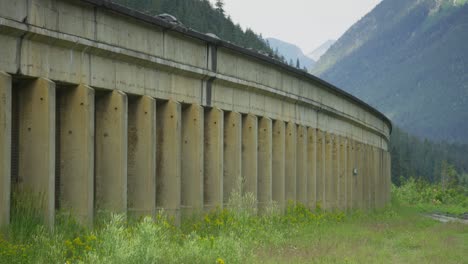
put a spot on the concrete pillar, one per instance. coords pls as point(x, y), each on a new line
point(232, 154)
point(249, 154)
point(370, 175)
point(192, 159)
point(334, 186)
point(290, 163)
point(350, 178)
point(36, 169)
point(5, 148)
point(372, 178)
point(301, 165)
point(311, 168)
point(278, 166)
point(358, 190)
point(141, 193)
point(111, 151)
point(342, 179)
point(377, 182)
point(77, 152)
point(383, 179)
point(388, 175)
point(213, 158)
point(328, 204)
point(265, 156)
point(320, 169)
point(367, 162)
point(383, 175)
point(365, 177)
point(168, 158)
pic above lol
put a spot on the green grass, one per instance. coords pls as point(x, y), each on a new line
point(397, 234)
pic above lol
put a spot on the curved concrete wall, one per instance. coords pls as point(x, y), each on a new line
point(213, 117)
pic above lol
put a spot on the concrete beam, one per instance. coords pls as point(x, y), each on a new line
point(320, 168)
point(301, 165)
point(278, 166)
point(168, 158)
point(36, 169)
point(5, 148)
point(290, 163)
point(265, 164)
point(76, 155)
point(111, 151)
point(250, 154)
point(192, 159)
point(232, 154)
point(213, 158)
point(342, 179)
point(141, 181)
point(311, 168)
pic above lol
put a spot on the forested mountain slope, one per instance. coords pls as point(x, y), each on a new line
point(408, 58)
point(292, 53)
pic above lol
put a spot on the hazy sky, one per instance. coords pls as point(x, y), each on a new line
point(306, 23)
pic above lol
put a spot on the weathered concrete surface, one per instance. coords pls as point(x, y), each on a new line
point(249, 154)
point(301, 165)
point(378, 191)
point(141, 156)
point(311, 168)
point(388, 174)
point(168, 158)
point(359, 176)
point(279, 140)
point(76, 155)
point(36, 169)
point(350, 178)
point(334, 183)
point(110, 49)
point(265, 164)
point(5, 148)
point(320, 169)
point(290, 163)
point(111, 151)
point(342, 180)
point(213, 158)
point(232, 154)
point(328, 179)
point(192, 159)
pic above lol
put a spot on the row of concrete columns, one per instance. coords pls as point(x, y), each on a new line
point(105, 150)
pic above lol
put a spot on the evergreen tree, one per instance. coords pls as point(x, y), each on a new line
point(220, 6)
point(298, 64)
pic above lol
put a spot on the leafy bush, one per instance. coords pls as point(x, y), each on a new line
point(432, 197)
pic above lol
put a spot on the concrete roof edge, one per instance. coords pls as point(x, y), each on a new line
point(108, 4)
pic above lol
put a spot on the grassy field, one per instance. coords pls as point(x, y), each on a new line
point(399, 233)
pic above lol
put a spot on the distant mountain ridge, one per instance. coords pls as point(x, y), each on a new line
point(322, 49)
point(291, 52)
point(409, 59)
